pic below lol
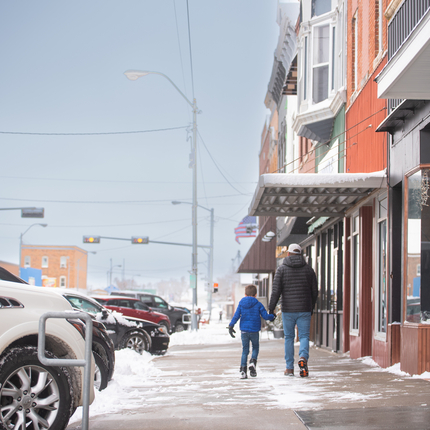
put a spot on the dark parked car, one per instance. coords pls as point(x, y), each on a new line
point(179, 317)
point(131, 307)
point(103, 352)
point(125, 332)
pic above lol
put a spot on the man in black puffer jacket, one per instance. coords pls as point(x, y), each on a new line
point(296, 281)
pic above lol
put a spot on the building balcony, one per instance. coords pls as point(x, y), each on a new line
point(406, 74)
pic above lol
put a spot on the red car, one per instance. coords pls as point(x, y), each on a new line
point(130, 307)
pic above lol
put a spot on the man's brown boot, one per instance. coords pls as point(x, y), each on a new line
point(289, 372)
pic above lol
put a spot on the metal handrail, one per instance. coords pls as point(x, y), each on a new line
point(86, 363)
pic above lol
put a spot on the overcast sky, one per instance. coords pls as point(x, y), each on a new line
point(62, 66)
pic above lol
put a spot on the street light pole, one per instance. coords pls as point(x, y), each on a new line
point(20, 239)
point(133, 75)
point(110, 271)
point(211, 251)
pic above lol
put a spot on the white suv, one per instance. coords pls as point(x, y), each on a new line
point(33, 395)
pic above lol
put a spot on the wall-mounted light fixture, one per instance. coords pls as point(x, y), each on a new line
point(269, 236)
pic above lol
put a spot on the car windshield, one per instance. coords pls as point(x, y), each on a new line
point(84, 304)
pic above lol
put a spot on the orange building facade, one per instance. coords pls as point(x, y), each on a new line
point(62, 266)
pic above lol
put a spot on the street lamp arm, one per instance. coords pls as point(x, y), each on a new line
point(135, 74)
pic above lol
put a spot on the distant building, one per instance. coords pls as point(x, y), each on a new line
point(61, 266)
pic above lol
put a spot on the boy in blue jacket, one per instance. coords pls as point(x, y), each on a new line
point(249, 311)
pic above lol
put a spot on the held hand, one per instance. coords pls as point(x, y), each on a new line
point(273, 317)
point(231, 331)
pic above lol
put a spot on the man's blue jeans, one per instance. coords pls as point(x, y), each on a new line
point(303, 322)
point(247, 337)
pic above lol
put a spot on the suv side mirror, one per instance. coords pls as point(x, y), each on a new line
point(170, 307)
point(104, 314)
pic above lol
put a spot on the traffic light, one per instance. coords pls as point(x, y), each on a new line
point(140, 240)
point(91, 239)
point(215, 287)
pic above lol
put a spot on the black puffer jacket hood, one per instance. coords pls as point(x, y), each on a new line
point(296, 282)
point(294, 261)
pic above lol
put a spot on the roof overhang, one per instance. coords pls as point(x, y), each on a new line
point(400, 115)
point(312, 194)
point(406, 76)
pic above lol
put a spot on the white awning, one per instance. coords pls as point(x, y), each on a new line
point(312, 194)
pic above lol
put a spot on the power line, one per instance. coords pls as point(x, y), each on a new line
point(191, 53)
point(91, 134)
point(219, 170)
point(110, 201)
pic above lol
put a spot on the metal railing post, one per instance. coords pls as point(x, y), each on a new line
point(86, 363)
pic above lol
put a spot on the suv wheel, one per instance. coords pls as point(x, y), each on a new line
point(136, 340)
point(101, 373)
point(33, 395)
point(179, 327)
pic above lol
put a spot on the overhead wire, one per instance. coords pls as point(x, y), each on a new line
point(191, 52)
point(92, 133)
point(327, 142)
point(219, 170)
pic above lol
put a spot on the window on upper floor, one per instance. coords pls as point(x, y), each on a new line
point(320, 63)
point(354, 53)
point(27, 261)
point(63, 262)
point(320, 7)
point(44, 261)
point(378, 26)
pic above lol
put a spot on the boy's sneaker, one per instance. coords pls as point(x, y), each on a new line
point(289, 372)
point(253, 367)
point(243, 372)
point(303, 364)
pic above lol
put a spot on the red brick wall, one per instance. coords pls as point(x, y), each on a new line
point(76, 267)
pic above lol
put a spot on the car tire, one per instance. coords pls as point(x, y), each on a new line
point(22, 370)
point(137, 340)
point(179, 327)
point(101, 374)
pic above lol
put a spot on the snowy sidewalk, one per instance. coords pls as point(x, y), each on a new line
point(196, 385)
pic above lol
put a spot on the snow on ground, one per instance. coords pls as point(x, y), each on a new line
point(134, 370)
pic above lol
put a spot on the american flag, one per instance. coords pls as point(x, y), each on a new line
point(246, 228)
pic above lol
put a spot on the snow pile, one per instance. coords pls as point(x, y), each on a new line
point(394, 369)
point(131, 369)
point(207, 334)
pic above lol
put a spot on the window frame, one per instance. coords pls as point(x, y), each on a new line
point(355, 270)
point(381, 219)
point(45, 262)
point(63, 281)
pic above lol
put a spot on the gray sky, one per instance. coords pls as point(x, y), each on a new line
point(61, 71)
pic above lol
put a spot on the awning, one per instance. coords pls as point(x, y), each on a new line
point(312, 194)
point(261, 257)
point(403, 112)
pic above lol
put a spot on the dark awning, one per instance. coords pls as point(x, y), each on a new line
point(312, 194)
point(261, 257)
point(399, 115)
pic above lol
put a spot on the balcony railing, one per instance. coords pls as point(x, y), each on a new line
point(403, 23)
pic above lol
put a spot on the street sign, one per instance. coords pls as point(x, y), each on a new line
point(91, 239)
point(32, 213)
point(193, 281)
point(215, 287)
point(140, 240)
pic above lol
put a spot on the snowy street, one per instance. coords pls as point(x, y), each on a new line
point(196, 385)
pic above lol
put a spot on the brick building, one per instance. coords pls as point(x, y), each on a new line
point(62, 266)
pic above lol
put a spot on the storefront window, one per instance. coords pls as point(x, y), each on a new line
point(418, 248)
point(382, 266)
point(355, 272)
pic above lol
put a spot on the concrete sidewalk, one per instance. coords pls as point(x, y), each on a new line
point(199, 387)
